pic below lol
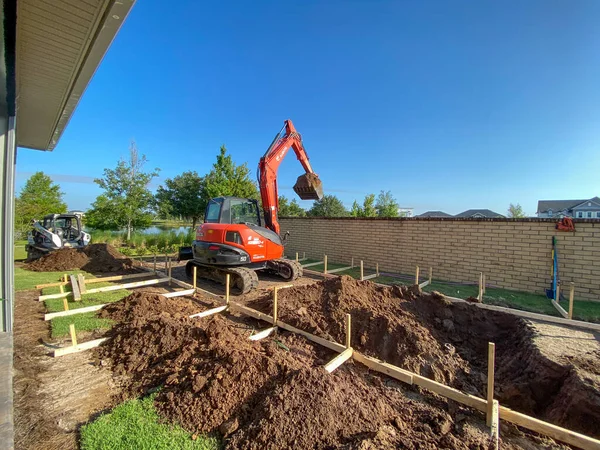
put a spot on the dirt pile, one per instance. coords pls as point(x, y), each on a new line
point(444, 341)
point(95, 258)
point(266, 394)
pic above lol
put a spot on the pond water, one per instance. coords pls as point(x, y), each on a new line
point(155, 229)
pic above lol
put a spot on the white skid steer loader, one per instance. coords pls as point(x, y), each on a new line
point(54, 232)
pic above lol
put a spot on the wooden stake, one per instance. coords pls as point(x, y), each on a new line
point(227, 279)
point(65, 304)
point(154, 263)
point(73, 335)
point(362, 274)
point(348, 330)
point(303, 255)
point(75, 288)
point(480, 293)
point(417, 276)
point(557, 297)
point(325, 264)
point(483, 284)
point(430, 274)
point(571, 298)
point(377, 269)
point(81, 282)
point(170, 272)
point(62, 289)
point(195, 271)
point(275, 307)
point(65, 278)
point(490, 383)
point(296, 256)
point(352, 262)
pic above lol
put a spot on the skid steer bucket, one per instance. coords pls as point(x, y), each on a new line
point(309, 187)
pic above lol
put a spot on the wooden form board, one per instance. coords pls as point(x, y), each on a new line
point(179, 293)
point(560, 309)
point(339, 360)
point(210, 312)
point(75, 288)
point(313, 264)
point(79, 347)
point(129, 285)
point(72, 312)
point(341, 269)
point(118, 277)
point(423, 284)
point(262, 334)
point(370, 277)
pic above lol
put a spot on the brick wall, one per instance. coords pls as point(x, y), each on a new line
point(514, 253)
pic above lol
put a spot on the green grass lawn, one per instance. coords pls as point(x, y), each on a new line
point(135, 424)
point(525, 301)
point(27, 279)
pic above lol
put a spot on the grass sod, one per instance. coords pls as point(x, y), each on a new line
point(524, 301)
point(27, 279)
point(135, 424)
point(83, 322)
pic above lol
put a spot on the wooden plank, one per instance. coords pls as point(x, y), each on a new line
point(81, 283)
point(530, 315)
point(362, 270)
point(495, 424)
point(571, 298)
point(189, 286)
point(383, 367)
point(72, 312)
point(179, 293)
point(45, 285)
point(548, 429)
point(73, 335)
point(209, 312)
point(348, 331)
point(451, 393)
point(75, 288)
point(262, 334)
point(118, 277)
point(370, 277)
point(324, 263)
point(79, 348)
point(424, 283)
point(339, 360)
point(560, 309)
point(51, 296)
point(129, 285)
point(312, 264)
point(490, 383)
point(341, 269)
point(417, 275)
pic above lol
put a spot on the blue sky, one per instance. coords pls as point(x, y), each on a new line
point(450, 105)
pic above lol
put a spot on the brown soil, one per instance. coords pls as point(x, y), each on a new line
point(95, 258)
point(268, 394)
point(444, 341)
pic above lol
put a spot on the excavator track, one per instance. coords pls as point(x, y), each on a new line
point(287, 269)
point(242, 280)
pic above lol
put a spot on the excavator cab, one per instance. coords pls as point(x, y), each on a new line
point(309, 187)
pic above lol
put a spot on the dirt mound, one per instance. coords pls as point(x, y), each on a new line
point(266, 394)
point(95, 258)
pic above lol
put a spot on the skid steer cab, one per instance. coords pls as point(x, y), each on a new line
point(56, 231)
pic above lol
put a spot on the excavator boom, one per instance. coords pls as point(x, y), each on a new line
point(308, 186)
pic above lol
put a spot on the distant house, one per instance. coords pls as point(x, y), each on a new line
point(579, 209)
point(480, 214)
point(434, 214)
point(405, 211)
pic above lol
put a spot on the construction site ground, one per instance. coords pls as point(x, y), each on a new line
point(275, 393)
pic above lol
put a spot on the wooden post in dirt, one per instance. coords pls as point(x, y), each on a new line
point(483, 284)
point(557, 293)
point(571, 298)
point(65, 278)
point(417, 276)
point(324, 264)
point(227, 279)
point(62, 289)
point(480, 291)
point(362, 274)
point(65, 303)
point(296, 256)
point(154, 263)
point(352, 262)
point(195, 271)
point(430, 274)
point(275, 306)
point(377, 268)
point(490, 382)
point(348, 330)
point(73, 334)
point(303, 255)
point(169, 264)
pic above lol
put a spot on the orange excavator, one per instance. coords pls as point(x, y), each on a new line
point(232, 240)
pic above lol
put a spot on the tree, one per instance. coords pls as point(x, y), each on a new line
point(182, 195)
point(328, 206)
point(226, 178)
point(40, 196)
point(386, 205)
point(290, 209)
point(126, 200)
point(368, 208)
point(516, 211)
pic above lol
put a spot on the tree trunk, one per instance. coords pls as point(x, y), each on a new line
point(194, 220)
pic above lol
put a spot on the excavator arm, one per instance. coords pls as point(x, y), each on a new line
point(308, 186)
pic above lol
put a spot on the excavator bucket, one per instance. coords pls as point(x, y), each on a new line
point(309, 187)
